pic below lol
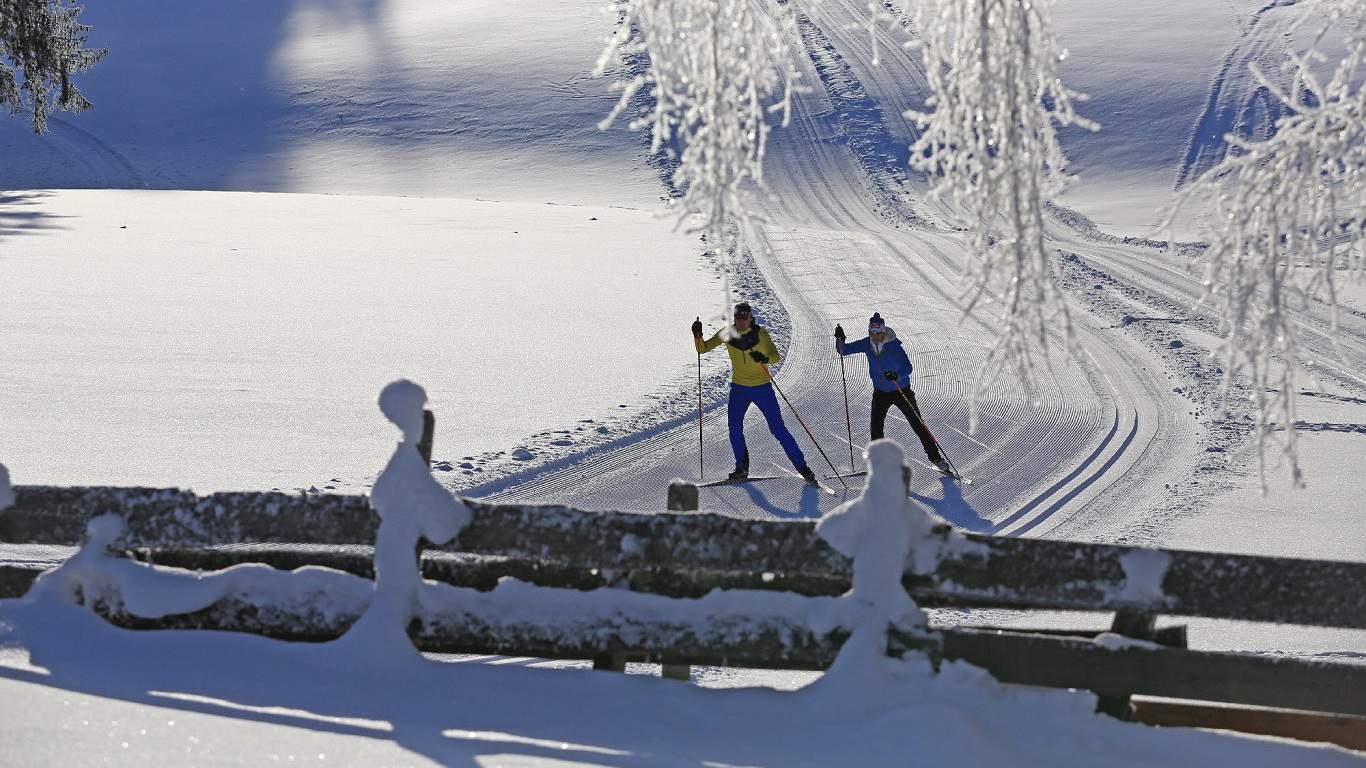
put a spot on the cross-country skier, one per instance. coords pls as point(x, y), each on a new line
point(890, 370)
point(751, 351)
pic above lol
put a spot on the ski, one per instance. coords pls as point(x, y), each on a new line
point(728, 481)
point(825, 488)
point(957, 478)
point(951, 475)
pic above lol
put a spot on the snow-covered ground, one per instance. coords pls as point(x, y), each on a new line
point(219, 340)
point(89, 693)
point(454, 217)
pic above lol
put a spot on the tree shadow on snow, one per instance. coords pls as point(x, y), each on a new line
point(172, 110)
point(21, 213)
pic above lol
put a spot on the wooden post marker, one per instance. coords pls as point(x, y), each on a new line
point(682, 496)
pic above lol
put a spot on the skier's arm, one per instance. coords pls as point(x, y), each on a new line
point(855, 347)
point(709, 344)
point(903, 364)
point(767, 347)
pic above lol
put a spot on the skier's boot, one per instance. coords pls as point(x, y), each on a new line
point(808, 475)
point(741, 470)
point(943, 466)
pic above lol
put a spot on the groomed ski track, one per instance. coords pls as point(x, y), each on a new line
point(845, 234)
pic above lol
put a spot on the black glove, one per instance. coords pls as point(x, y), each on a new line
point(759, 357)
point(697, 327)
point(839, 332)
point(889, 375)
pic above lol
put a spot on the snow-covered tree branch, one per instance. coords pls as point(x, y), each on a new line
point(990, 147)
point(41, 46)
point(716, 70)
point(1286, 218)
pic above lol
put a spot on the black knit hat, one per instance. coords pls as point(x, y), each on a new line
point(743, 309)
point(875, 324)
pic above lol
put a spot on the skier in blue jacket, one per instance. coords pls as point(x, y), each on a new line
point(890, 370)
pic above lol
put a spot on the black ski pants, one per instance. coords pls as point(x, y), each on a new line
point(884, 400)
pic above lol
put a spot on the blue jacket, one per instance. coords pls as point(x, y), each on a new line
point(892, 358)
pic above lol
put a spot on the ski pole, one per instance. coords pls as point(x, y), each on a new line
point(701, 469)
point(916, 410)
point(921, 419)
point(808, 429)
point(844, 384)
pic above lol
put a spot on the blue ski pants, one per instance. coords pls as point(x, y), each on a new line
point(762, 396)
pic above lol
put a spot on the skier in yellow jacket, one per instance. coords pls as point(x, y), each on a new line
point(751, 352)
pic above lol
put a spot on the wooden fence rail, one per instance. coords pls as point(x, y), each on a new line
point(687, 555)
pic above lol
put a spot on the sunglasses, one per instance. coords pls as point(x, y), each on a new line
point(742, 315)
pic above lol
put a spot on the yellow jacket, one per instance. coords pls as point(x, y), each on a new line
point(744, 370)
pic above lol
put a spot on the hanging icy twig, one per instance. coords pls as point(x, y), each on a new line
point(990, 148)
point(1287, 216)
point(878, 14)
point(716, 69)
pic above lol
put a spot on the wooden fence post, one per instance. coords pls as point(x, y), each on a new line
point(682, 496)
point(1140, 626)
point(610, 662)
point(424, 448)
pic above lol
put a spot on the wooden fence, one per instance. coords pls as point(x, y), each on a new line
point(682, 555)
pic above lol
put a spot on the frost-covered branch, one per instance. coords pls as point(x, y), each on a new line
point(41, 45)
point(1287, 217)
point(716, 70)
point(990, 147)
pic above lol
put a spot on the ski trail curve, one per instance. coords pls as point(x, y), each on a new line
point(844, 236)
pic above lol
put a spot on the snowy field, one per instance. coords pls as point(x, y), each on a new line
point(278, 207)
point(273, 325)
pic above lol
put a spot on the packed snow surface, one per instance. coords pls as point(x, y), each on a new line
point(223, 341)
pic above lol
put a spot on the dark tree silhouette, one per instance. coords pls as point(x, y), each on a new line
point(41, 46)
